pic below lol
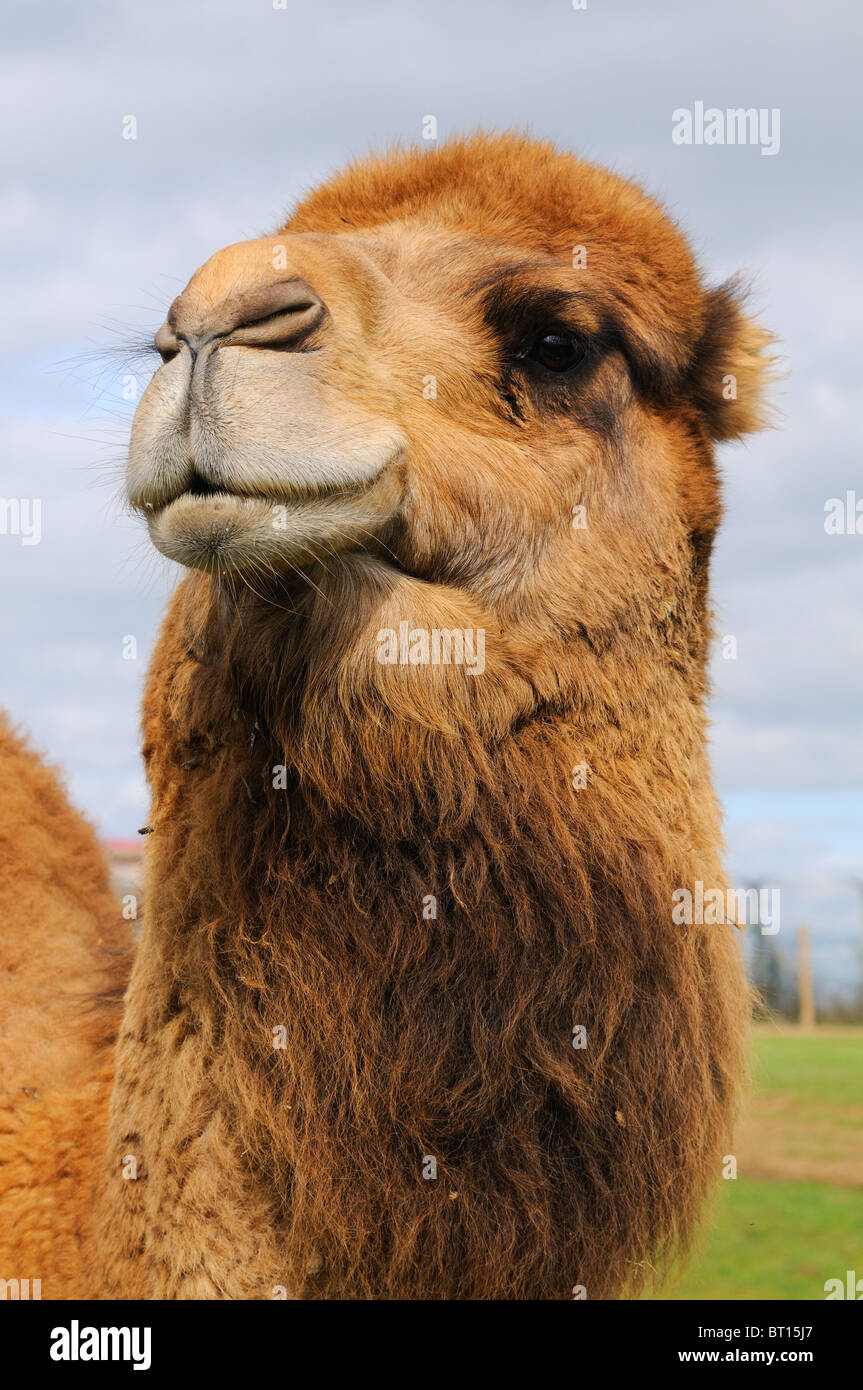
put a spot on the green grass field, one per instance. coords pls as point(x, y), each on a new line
point(793, 1217)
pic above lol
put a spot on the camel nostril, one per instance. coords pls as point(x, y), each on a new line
point(166, 343)
point(284, 315)
point(287, 315)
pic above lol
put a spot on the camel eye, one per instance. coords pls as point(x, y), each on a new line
point(557, 352)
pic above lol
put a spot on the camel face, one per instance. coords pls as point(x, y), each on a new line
point(489, 368)
point(268, 436)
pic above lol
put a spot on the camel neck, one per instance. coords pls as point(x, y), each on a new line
point(327, 998)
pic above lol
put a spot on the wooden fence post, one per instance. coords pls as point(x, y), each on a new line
point(804, 979)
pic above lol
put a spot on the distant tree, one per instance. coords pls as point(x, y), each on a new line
point(774, 979)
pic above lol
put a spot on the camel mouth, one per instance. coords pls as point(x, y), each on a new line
point(209, 527)
point(220, 498)
point(202, 487)
point(202, 491)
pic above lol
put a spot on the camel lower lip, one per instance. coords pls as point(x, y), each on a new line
point(204, 499)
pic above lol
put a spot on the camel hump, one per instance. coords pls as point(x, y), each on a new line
point(64, 946)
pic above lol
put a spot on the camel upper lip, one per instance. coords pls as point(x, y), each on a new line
point(155, 494)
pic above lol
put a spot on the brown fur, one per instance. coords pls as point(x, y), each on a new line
point(301, 909)
point(64, 961)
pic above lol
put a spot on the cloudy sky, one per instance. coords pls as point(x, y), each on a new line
point(240, 106)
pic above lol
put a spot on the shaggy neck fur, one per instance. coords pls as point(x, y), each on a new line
point(421, 910)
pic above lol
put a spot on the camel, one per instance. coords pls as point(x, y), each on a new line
point(409, 1017)
point(65, 954)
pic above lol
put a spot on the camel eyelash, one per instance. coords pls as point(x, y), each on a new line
point(516, 310)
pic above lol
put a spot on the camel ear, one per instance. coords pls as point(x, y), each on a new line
point(733, 367)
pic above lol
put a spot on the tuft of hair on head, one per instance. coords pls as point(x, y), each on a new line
point(733, 366)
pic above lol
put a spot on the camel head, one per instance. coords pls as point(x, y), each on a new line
point(492, 367)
